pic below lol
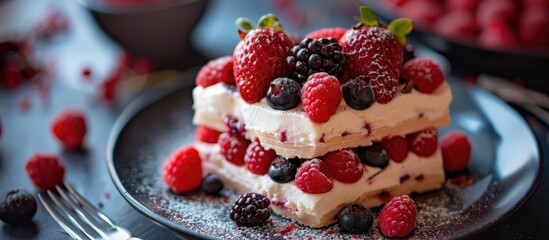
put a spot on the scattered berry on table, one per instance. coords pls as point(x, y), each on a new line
point(423, 143)
point(206, 134)
point(355, 218)
point(233, 148)
point(312, 56)
point(250, 209)
point(45, 170)
point(258, 159)
point(456, 151)
point(217, 70)
point(344, 165)
point(17, 207)
point(425, 74)
point(313, 177)
point(396, 147)
point(284, 93)
point(321, 96)
point(374, 155)
point(182, 172)
point(335, 32)
point(358, 94)
point(283, 170)
point(69, 127)
point(211, 184)
point(398, 217)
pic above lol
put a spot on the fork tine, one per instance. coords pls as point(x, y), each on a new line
point(58, 218)
point(89, 206)
point(82, 213)
point(69, 214)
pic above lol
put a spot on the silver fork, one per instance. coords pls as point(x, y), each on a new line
point(80, 219)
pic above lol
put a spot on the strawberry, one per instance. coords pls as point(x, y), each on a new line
point(498, 35)
point(489, 11)
point(335, 32)
point(458, 24)
point(534, 27)
point(424, 12)
point(456, 151)
point(217, 70)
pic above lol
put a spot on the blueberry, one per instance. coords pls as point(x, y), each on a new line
point(211, 184)
point(283, 94)
point(17, 207)
point(358, 94)
point(355, 218)
point(283, 170)
point(374, 155)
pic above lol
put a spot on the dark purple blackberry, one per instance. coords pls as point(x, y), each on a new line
point(409, 53)
point(358, 93)
point(284, 94)
point(355, 218)
point(312, 56)
point(374, 156)
point(283, 170)
point(17, 207)
point(211, 184)
point(250, 209)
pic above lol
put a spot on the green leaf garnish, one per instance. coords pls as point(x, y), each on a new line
point(368, 17)
point(401, 27)
point(244, 24)
point(269, 20)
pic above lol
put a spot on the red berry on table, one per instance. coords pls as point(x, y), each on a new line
point(344, 166)
point(498, 35)
point(424, 73)
point(313, 177)
point(422, 12)
point(423, 143)
point(396, 147)
point(217, 70)
point(69, 128)
point(490, 11)
point(233, 148)
point(45, 170)
point(258, 159)
point(335, 32)
point(320, 96)
point(12, 74)
point(398, 217)
point(182, 172)
point(458, 24)
point(456, 151)
point(207, 135)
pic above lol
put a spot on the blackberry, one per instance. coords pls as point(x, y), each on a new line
point(358, 94)
point(355, 218)
point(250, 209)
point(211, 184)
point(312, 56)
point(284, 94)
point(374, 155)
point(17, 207)
point(283, 170)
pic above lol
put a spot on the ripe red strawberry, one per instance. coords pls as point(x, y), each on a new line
point(45, 170)
point(498, 35)
point(321, 95)
point(534, 27)
point(206, 134)
point(425, 74)
point(182, 172)
point(467, 5)
point(335, 32)
point(458, 24)
point(396, 147)
point(456, 151)
point(344, 166)
point(217, 70)
point(69, 128)
point(422, 12)
point(398, 217)
point(258, 59)
point(375, 53)
point(313, 177)
point(489, 11)
point(258, 159)
point(233, 148)
point(423, 143)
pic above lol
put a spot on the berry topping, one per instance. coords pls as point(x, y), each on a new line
point(396, 147)
point(233, 148)
point(283, 170)
point(182, 172)
point(398, 217)
point(258, 159)
point(45, 171)
point(250, 209)
point(313, 177)
point(321, 95)
point(344, 165)
point(211, 184)
point(355, 218)
point(17, 207)
point(374, 155)
point(69, 128)
point(456, 151)
point(206, 134)
point(423, 143)
point(358, 94)
point(284, 94)
point(409, 53)
point(312, 56)
point(236, 127)
point(425, 74)
point(217, 70)
point(335, 33)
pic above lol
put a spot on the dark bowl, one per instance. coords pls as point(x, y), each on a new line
point(159, 32)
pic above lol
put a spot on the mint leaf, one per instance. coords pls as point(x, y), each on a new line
point(267, 20)
point(244, 24)
point(368, 16)
point(401, 27)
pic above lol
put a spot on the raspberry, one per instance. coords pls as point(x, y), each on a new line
point(250, 209)
point(422, 12)
point(206, 134)
point(398, 217)
point(396, 147)
point(456, 151)
point(182, 172)
point(312, 56)
point(217, 70)
point(498, 35)
point(313, 177)
point(467, 5)
point(236, 127)
point(344, 166)
point(258, 159)
point(321, 95)
point(258, 59)
point(490, 11)
point(425, 74)
point(233, 148)
point(335, 33)
point(17, 207)
point(45, 170)
point(459, 24)
point(69, 128)
point(423, 143)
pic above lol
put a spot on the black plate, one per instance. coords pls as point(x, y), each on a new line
point(505, 163)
